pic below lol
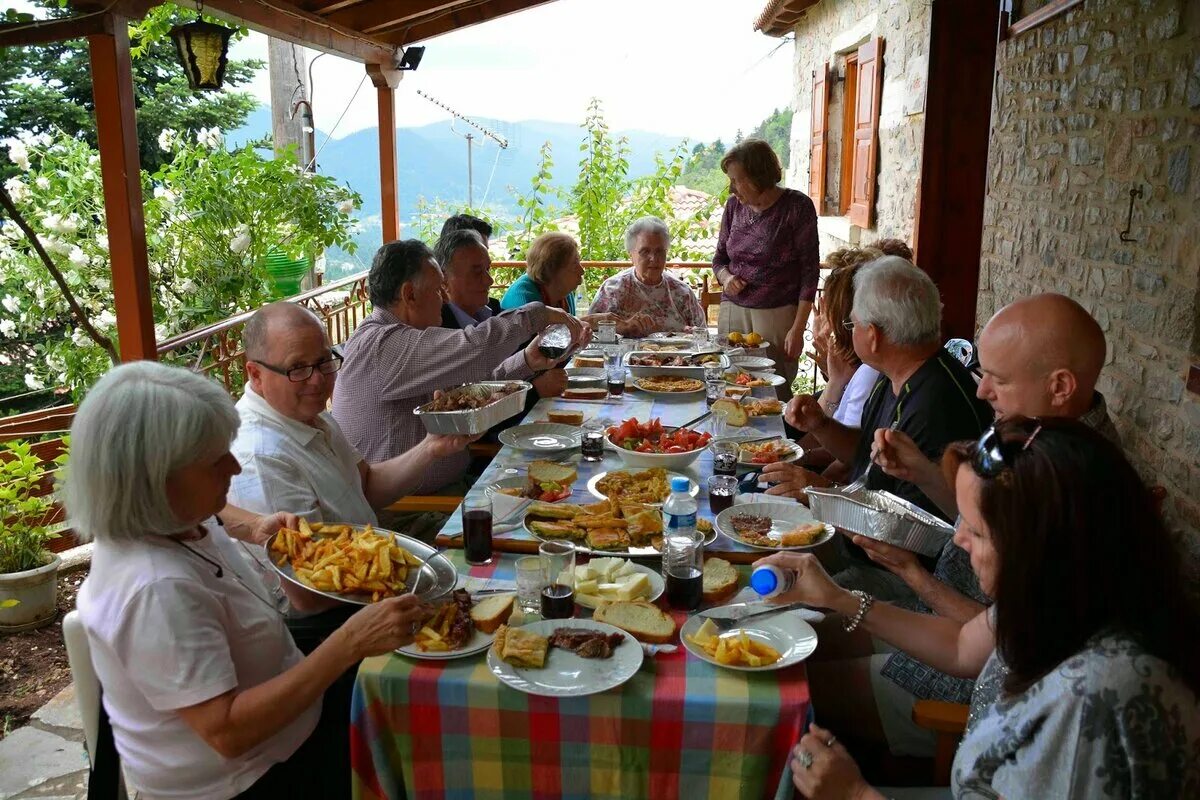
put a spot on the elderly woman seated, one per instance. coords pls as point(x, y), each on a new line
point(553, 271)
point(646, 295)
point(207, 694)
point(1086, 685)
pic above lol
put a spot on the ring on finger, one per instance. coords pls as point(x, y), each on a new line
point(806, 759)
point(830, 742)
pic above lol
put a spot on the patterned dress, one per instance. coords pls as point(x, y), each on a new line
point(1110, 722)
point(671, 304)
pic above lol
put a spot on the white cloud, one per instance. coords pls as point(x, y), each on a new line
point(693, 68)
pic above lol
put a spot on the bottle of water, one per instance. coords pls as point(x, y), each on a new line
point(769, 580)
point(683, 548)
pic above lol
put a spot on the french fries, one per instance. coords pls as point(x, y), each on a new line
point(432, 636)
point(733, 649)
point(340, 558)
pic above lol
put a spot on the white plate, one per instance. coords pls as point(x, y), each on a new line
point(770, 377)
point(587, 372)
point(753, 363)
point(649, 551)
point(657, 586)
point(796, 452)
point(783, 519)
point(637, 385)
point(513, 483)
point(693, 487)
point(671, 336)
point(478, 642)
point(788, 633)
point(565, 674)
point(542, 437)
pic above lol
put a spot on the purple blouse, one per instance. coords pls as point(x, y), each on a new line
point(775, 252)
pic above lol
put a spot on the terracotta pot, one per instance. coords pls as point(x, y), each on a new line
point(36, 593)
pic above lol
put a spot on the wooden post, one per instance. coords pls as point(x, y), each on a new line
point(385, 81)
point(120, 169)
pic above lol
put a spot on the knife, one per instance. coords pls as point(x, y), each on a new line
point(739, 612)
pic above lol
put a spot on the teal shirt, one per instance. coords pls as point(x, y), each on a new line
point(524, 290)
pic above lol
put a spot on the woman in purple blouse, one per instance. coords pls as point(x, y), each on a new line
point(767, 260)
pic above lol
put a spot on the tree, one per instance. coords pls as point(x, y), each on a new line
point(48, 88)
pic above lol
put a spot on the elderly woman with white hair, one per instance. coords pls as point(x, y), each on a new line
point(646, 295)
point(207, 694)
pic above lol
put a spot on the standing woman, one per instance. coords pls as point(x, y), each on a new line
point(767, 259)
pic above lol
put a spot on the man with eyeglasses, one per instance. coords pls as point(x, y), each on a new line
point(294, 455)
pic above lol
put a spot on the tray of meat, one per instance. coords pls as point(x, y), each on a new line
point(686, 364)
point(474, 407)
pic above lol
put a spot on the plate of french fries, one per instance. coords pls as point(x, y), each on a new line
point(758, 646)
point(359, 564)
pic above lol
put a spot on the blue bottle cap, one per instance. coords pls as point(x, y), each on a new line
point(680, 484)
point(764, 581)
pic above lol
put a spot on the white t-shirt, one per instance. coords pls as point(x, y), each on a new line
point(166, 633)
point(849, 410)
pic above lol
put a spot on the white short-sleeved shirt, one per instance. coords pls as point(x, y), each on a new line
point(849, 410)
point(167, 633)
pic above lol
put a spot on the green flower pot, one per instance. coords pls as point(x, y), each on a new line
point(286, 273)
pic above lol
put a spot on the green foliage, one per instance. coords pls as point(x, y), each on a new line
point(48, 88)
point(211, 215)
point(23, 532)
point(704, 173)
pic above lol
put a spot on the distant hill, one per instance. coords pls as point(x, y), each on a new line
point(432, 162)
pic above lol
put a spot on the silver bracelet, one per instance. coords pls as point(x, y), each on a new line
point(865, 601)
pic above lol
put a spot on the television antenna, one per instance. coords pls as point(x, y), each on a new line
point(470, 137)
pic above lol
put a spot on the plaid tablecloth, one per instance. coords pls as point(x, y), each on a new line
point(679, 728)
point(672, 410)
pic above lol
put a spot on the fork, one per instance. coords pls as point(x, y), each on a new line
point(861, 482)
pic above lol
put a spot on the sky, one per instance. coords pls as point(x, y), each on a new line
point(688, 68)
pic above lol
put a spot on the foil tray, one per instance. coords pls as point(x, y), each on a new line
point(882, 516)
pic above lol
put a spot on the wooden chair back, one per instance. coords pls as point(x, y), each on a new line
point(709, 298)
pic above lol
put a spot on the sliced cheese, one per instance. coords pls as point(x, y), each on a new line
point(587, 587)
point(635, 589)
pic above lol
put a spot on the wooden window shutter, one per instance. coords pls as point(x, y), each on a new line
point(820, 137)
point(866, 133)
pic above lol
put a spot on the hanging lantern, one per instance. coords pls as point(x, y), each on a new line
point(203, 48)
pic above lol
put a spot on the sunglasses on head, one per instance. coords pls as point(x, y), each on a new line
point(993, 455)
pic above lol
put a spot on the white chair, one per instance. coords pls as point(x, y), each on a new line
point(87, 684)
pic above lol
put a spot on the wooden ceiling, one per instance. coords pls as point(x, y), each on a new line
point(780, 16)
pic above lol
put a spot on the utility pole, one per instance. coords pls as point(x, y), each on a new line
point(288, 64)
point(470, 174)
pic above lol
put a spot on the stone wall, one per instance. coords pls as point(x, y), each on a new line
point(1097, 102)
point(843, 25)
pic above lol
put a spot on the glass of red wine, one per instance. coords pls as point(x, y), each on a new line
point(683, 568)
point(721, 491)
point(725, 457)
point(616, 381)
point(558, 580)
point(477, 528)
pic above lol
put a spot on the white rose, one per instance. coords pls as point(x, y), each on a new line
point(51, 222)
point(166, 140)
point(10, 303)
point(166, 195)
point(102, 240)
point(77, 257)
point(4, 360)
point(106, 319)
point(57, 246)
point(346, 206)
point(187, 286)
point(240, 243)
point(10, 230)
point(17, 190)
point(79, 338)
point(43, 183)
point(19, 155)
point(209, 138)
point(69, 224)
point(8, 328)
point(34, 382)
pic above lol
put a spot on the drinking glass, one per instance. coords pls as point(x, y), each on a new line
point(606, 331)
point(616, 381)
point(477, 528)
point(592, 445)
point(700, 338)
point(531, 579)
point(683, 568)
point(722, 489)
point(558, 580)
point(713, 390)
point(725, 457)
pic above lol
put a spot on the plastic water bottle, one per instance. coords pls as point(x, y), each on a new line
point(769, 580)
point(683, 548)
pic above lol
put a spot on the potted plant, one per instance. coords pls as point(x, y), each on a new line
point(28, 571)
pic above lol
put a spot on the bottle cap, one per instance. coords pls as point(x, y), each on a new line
point(680, 484)
point(764, 580)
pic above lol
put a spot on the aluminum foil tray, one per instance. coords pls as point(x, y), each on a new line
point(477, 420)
point(882, 516)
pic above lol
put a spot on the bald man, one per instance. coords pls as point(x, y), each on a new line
point(1041, 357)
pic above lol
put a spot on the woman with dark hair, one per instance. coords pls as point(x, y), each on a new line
point(767, 259)
point(1088, 665)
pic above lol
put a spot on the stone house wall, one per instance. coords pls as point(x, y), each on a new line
point(1090, 105)
point(842, 25)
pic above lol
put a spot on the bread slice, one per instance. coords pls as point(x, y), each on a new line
point(585, 394)
point(589, 361)
point(720, 580)
point(551, 472)
point(565, 417)
point(645, 621)
point(493, 611)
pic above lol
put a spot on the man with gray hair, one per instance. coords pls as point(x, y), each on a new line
point(922, 390)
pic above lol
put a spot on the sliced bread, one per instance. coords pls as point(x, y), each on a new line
point(493, 611)
point(565, 417)
point(720, 580)
point(585, 394)
point(551, 472)
point(645, 621)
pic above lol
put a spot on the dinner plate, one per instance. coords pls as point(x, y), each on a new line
point(513, 483)
point(787, 632)
point(671, 336)
point(693, 487)
point(637, 384)
point(796, 452)
point(649, 551)
point(542, 437)
point(783, 516)
point(749, 363)
point(770, 377)
point(565, 674)
point(597, 373)
point(436, 578)
point(478, 642)
point(657, 585)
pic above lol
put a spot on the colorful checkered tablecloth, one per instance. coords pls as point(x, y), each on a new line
point(679, 728)
point(671, 409)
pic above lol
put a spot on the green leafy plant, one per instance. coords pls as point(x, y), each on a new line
point(24, 508)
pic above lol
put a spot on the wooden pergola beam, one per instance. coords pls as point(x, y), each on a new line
point(375, 16)
point(18, 34)
point(385, 82)
point(292, 24)
point(120, 171)
point(463, 18)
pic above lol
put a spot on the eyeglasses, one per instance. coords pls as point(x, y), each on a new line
point(849, 324)
point(304, 372)
point(993, 455)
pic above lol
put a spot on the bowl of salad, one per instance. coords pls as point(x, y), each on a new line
point(652, 444)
